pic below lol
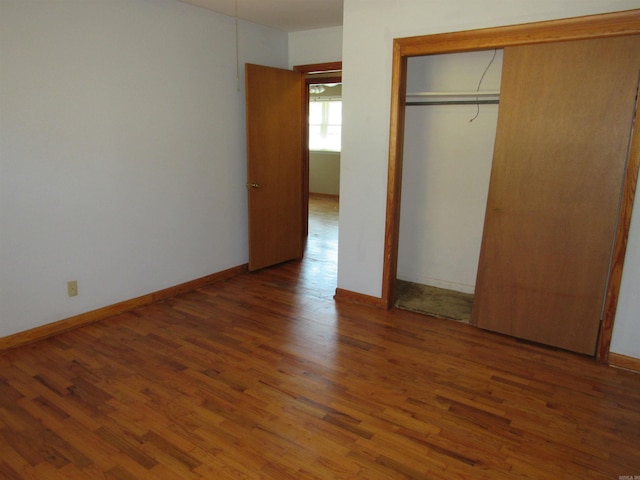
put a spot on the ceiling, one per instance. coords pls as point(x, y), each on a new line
point(287, 15)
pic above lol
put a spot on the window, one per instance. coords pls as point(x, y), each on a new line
point(325, 124)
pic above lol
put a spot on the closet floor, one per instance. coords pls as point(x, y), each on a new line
point(436, 302)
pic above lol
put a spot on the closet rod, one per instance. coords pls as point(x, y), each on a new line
point(453, 98)
point(484, 93)
point(454, 102)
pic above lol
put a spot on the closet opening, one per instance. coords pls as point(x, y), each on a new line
point(450, 125)
point(540, 33)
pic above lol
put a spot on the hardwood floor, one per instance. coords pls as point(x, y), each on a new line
point(264, 376)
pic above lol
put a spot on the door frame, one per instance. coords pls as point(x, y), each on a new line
point(577, 28)
point(331, 72)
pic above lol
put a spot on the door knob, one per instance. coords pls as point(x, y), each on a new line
point(253, 185)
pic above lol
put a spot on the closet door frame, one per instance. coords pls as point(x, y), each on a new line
point(578, 28)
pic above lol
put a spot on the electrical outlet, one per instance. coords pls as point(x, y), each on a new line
point(72, 288)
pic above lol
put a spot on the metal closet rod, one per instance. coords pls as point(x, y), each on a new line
point(454, 98)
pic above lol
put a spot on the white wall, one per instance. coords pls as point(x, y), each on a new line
point(122, 150)
point(448, 151)
point(626, 330)
point(324, 172)
point(315, 46)
point(368, 32)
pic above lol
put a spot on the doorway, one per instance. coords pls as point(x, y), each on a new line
point(324, 133)
point(322, 171)
point(278, 159)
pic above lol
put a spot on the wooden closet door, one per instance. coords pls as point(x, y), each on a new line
point(566, 113)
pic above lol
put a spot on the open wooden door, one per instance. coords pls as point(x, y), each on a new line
point(566, 116)
point(275, 132)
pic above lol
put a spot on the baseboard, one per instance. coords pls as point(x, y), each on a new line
point(324, 195)
point(51, 329)
point(347, 296)
point(622, 361)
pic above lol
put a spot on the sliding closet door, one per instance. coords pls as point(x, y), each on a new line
point(565, 119)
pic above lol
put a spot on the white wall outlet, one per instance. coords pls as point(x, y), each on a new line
point(72, 288)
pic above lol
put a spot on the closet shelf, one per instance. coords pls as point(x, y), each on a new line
point(485, 93)
point(453, 98)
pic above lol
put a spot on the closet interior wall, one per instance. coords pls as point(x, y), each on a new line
point(448, 150)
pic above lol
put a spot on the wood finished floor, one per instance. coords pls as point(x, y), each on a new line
point(264, 376)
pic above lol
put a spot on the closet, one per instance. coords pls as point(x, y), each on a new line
point(562, 179)
point(450, 127)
